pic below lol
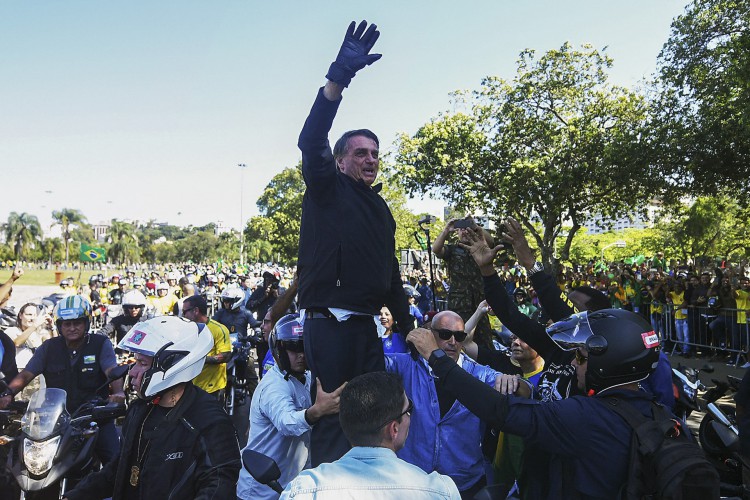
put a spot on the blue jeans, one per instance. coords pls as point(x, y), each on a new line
point(683, 334)
point(656, 325)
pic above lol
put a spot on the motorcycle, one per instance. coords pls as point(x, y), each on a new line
point(242, 378)
point(719, 435)
point(54, 448)
point(686, 385)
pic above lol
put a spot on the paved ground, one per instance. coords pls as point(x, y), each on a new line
point(25, 293)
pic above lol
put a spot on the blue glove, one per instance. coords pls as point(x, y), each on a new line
point(354, 53)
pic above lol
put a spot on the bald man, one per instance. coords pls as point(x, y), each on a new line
point(444, 436)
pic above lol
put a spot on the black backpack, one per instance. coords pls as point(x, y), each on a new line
point(664, 462)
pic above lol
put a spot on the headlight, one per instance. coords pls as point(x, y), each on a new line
point(38, 456)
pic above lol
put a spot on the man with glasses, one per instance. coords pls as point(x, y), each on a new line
point(213, 377)
point(376, 417)
point(281, 412)
point(445, 436)
point(347, 265)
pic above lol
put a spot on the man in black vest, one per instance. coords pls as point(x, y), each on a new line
point(78, 363)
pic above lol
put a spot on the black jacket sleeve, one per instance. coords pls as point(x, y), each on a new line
point(552, 299)
point(479, 398)
point(528, 330)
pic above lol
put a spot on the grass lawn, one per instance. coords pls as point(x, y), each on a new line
point(47, 277)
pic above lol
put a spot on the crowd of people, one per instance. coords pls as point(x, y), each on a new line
point(367, 391)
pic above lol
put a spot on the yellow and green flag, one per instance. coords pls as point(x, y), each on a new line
point(92, 254)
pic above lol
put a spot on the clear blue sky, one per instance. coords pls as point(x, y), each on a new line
point(143, 109)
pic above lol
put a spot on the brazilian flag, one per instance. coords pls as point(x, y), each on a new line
point(92, 254)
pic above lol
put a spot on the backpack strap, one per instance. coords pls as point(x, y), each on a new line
point(649, 431)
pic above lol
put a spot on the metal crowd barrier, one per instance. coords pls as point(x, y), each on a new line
point(708, 329)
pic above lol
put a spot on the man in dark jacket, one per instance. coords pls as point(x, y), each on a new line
point(177, 442)
point(586, 444)
point(347, 266)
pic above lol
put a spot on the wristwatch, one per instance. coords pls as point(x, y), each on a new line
point(436, 355)
point(536, 268)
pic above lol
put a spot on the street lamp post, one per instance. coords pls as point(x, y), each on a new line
point(618, 244)
point(242, 217)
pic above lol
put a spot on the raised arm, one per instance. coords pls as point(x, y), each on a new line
point(438, 246)
point(318, 165)
point(8, 285)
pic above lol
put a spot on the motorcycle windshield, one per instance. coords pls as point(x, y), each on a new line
point(45, 414)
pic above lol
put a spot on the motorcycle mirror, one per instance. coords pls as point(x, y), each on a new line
point(708, 368)
point(262, 468)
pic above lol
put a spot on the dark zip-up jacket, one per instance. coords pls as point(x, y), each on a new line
point(193, 454)
point(585, 444)
point(347, 247)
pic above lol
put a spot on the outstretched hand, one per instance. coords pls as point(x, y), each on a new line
point(483, 255)
point(354, 53)
point(516, 237)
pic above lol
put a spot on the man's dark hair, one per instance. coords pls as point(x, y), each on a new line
point(340, 148)
point(597, 300)
point(196, 301)
point(368, 402)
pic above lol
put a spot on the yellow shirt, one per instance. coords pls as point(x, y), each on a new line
point(743, 304)
point(214, 377)
point(163, 305)
point(677, 300)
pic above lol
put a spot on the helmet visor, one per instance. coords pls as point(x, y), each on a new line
point(571, 332)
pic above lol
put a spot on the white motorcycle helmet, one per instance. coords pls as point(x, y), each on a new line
point(134, 298)
point(178, 346)
point(233, 295)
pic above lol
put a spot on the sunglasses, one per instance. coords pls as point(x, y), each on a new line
point(295, 346)
point(445, 334)
point(407, 411)
point(580, 358)
point(128, 308)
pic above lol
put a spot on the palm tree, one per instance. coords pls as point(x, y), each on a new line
point(124, 242)
point(65, 218)
point(22, 230)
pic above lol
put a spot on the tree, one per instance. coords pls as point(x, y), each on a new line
point(22, 231)
point(554, 145)
point(701, 130)
point(280, 206)
point(711, 226)
point(123, 247)
point(66, 218)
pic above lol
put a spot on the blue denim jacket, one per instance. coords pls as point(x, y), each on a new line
point(451, 445)
point(370, 474)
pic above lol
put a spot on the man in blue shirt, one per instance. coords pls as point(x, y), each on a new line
point(376, 416)
point(282, 413)
point(445, 436)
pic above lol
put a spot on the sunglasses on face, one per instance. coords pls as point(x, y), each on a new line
point(445, 334)
point(130, 308)
point(580, 358)
point(295, 346)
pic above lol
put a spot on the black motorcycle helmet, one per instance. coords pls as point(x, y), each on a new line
point(286, 335)
point(622, 346)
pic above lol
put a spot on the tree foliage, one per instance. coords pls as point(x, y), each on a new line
point(702, 127)
point(552, 146)
point(280, 206)
point(22, 231)
point(70, 219)
point(123, 241)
